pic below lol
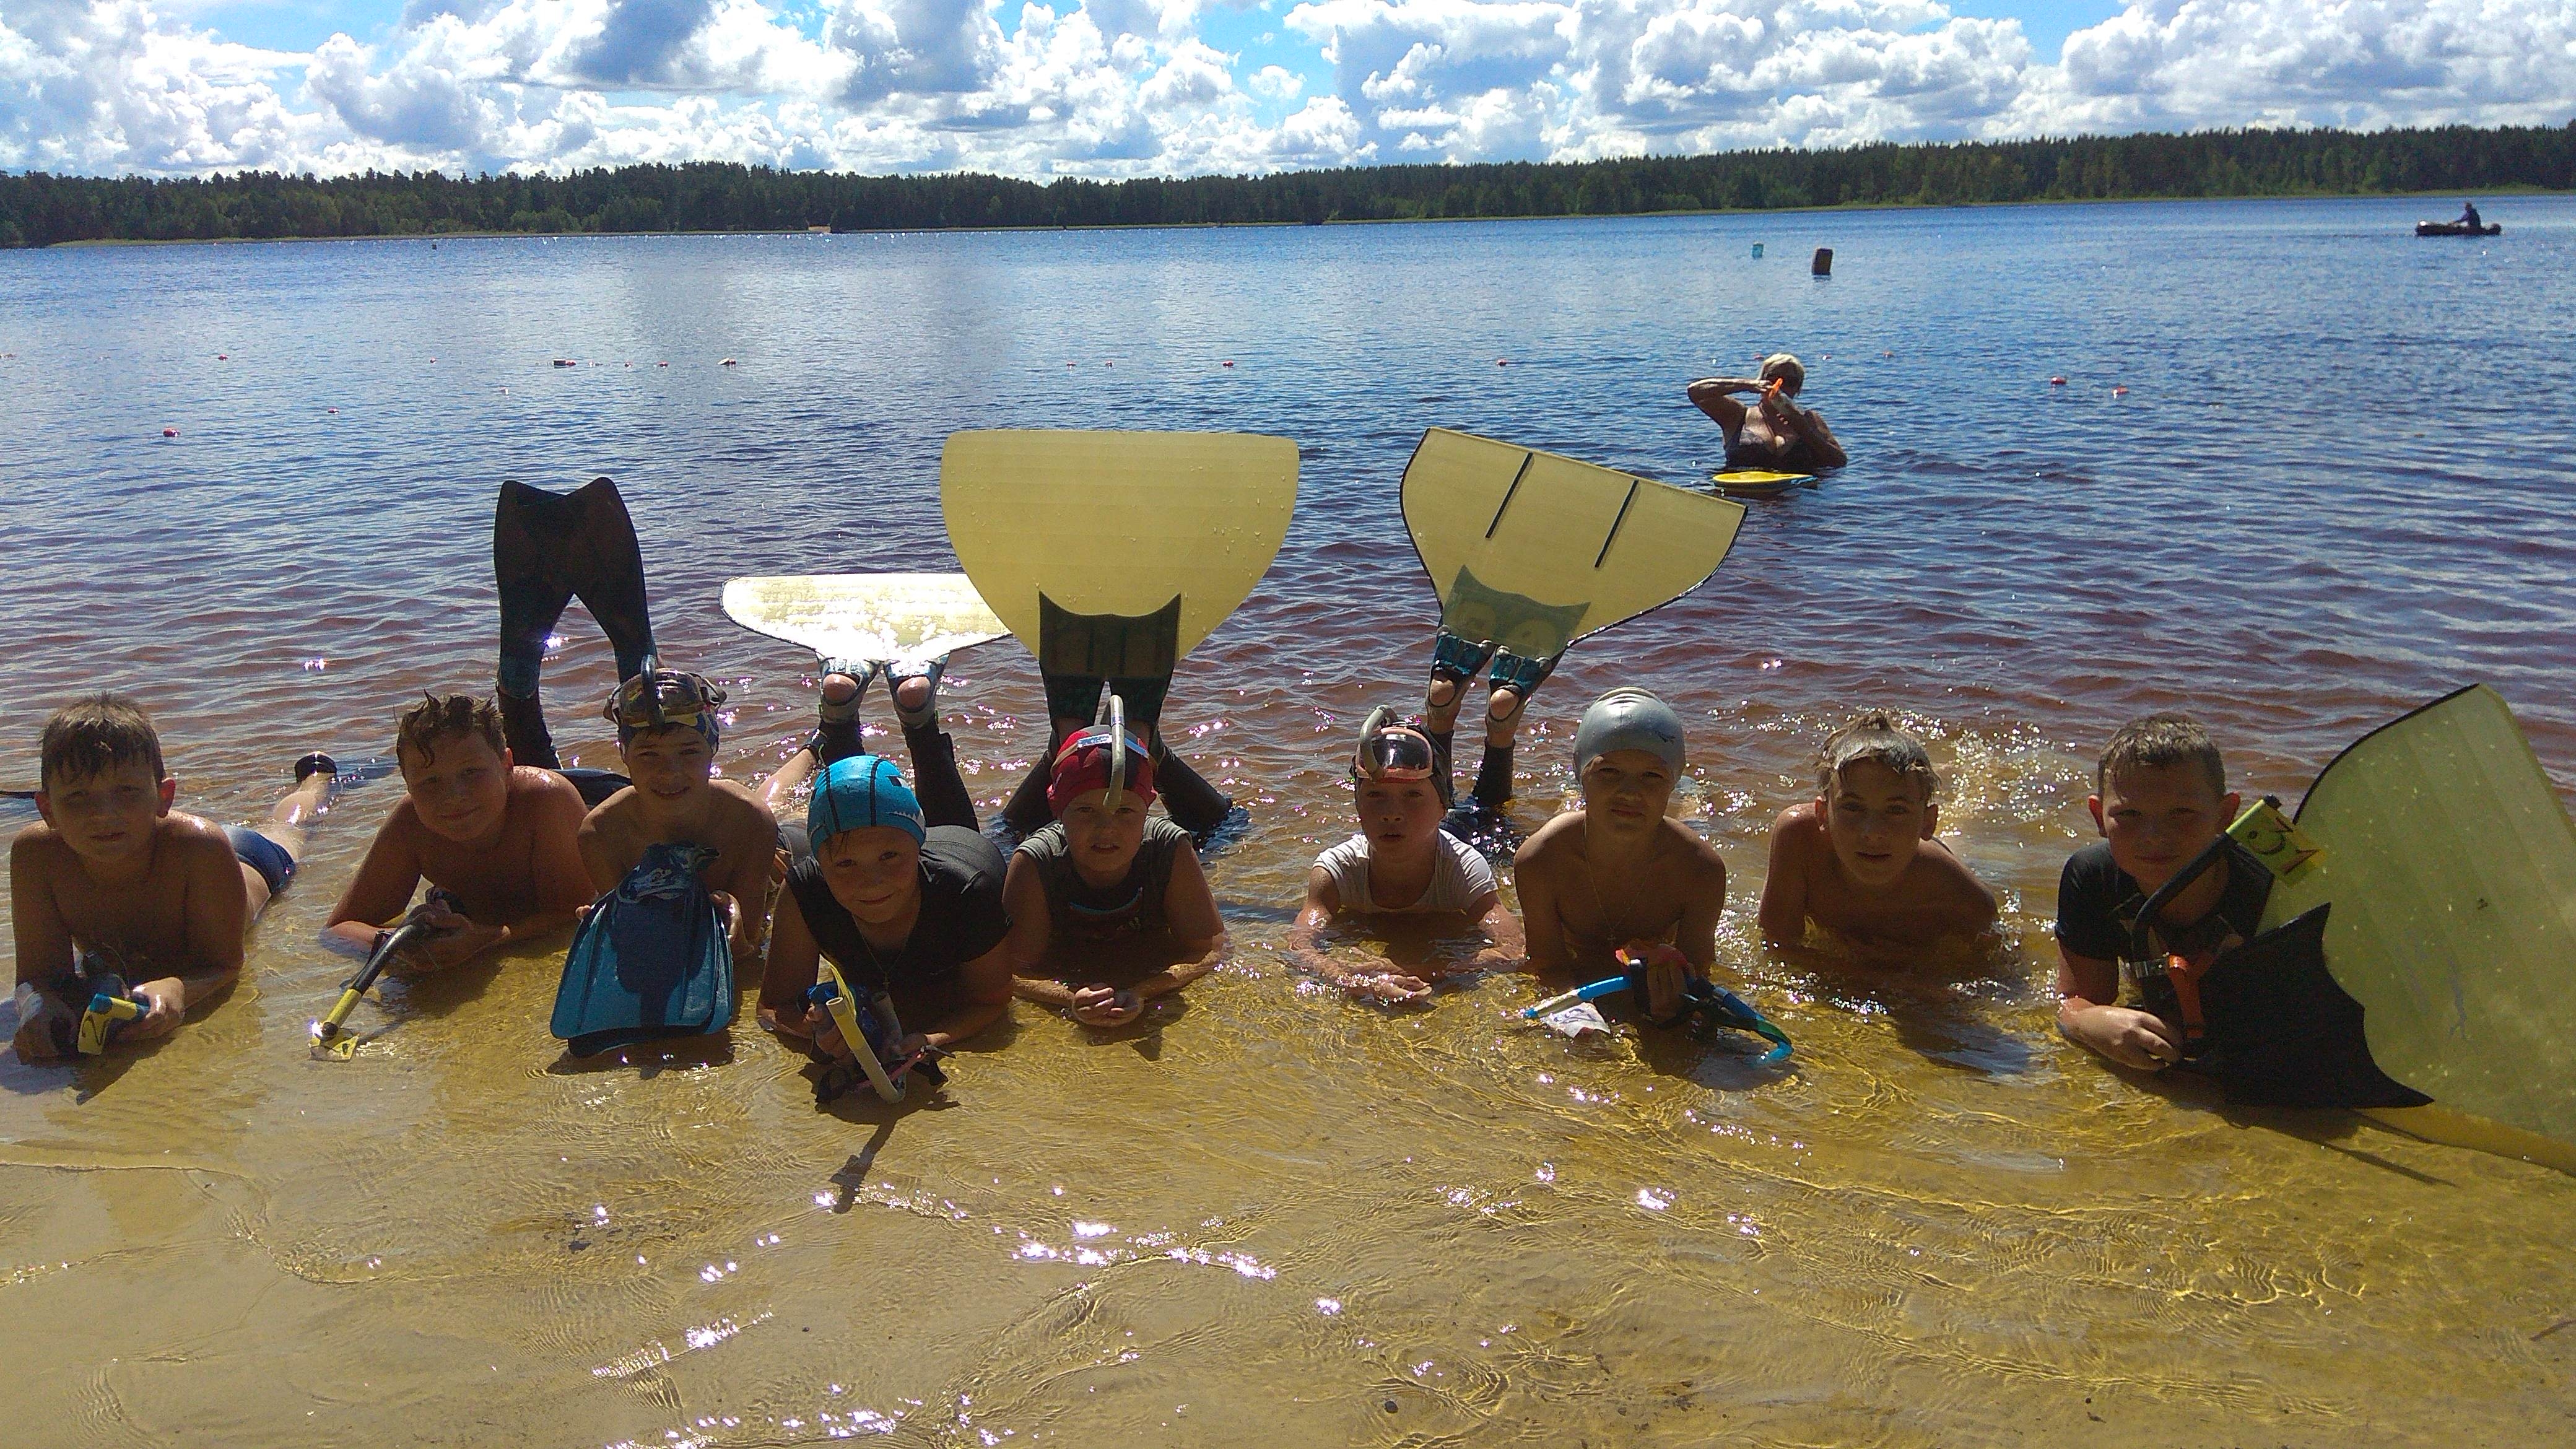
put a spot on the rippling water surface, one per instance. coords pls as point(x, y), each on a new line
point(2335, 487)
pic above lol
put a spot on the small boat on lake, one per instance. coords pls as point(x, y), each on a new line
point(2457, 228)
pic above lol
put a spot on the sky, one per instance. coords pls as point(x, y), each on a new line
point(1112, 88)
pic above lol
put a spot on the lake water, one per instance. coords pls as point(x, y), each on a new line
point(2335, 487)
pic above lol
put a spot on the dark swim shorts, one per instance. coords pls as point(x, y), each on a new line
point(262, 854)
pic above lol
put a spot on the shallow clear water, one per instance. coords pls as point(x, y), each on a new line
point(2334, 489)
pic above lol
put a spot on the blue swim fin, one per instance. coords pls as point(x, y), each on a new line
point(650, 962)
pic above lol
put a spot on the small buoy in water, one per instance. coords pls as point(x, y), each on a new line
point(1887, 354)
point(331, 410)
point(728, 362)
point(1109, 364)
point(661, 364)
point(223, 357)
point(1229, 362)
point(2057, 382)
point(1502, 362)
point(1824, 264)
point(563, 362)
point(169, 432)
point(2119, 392)
point(1757, 251)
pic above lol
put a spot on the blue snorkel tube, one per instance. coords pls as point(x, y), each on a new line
point(1705, 1000)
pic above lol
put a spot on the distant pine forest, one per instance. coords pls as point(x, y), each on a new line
point(41, 210)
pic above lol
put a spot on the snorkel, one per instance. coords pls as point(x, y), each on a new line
point(870, 1029)
point(1705, 1005)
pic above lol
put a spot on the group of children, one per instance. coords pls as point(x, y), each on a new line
point(1106, 906)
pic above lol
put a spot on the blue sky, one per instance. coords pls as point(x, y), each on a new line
point(1177, 87)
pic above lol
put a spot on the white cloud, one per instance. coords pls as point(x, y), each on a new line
point(1123, 87)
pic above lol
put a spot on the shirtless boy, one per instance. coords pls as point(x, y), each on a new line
point(1400, 864)
point(497, 841)
point(1124, 887)
point(2162, 799)
point(1617, 873)
point(1775, 434)
point(115, 881)
point(1859, 860)
point(666, 731)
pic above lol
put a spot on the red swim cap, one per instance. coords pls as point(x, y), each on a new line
point(1082, 766)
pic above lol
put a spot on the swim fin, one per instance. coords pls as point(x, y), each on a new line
point(650, 961)
point(546, 549)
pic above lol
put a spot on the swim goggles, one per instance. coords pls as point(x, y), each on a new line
point(663, 698)
point(1390, 749)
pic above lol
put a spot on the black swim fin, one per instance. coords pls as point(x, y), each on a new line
point(548, 548)
point(2283, 1033)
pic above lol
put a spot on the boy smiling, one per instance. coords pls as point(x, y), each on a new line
point(1401, 863)
point(115, 881)
point(667, 728)
point(496, 841)
point(1860, 859)
point(1617, 874)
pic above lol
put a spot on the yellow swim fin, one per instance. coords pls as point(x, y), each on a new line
point(2451, 866)
point(1531, 551)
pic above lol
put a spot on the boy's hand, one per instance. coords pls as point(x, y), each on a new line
point(1106, 1006)
point(1667, 970)
point(820, 1029)
point(1394, 986)
point(166, 1005)
point(457, 939)
point(2132, 1038)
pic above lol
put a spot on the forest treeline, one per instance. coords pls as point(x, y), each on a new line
point(42, 210)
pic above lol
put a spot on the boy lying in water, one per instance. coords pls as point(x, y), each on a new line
point(1860, 859)
point(1108, 875)
point(497, 841)
point(1616, 874)
point(1401, 863)
point(114, 883)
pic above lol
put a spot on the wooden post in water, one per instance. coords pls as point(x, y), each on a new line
point(1824, 261)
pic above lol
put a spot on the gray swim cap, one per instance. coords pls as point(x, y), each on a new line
point(1628, 719)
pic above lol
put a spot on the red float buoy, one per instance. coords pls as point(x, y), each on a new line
point(169, 432)
point(2057, 382)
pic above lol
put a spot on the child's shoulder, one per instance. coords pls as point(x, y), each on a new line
point(1690, 845)
point(532, 785)
point(1798, 826)
point(738, 807)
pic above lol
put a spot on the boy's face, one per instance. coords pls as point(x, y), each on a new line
point(1103, 841)
point(1876, 818)
point(1625, 791)
point(668, 764)
point(109, 816)
point(1398, 815)
point(2157, 817)
point(873, 871)
point(460, 789)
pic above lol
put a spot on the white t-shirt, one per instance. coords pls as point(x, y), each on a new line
point(1459, 877)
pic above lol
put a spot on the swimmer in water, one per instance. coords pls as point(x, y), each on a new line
point(1115, 880)
point(667, 730)
point(1400, 864)
point(1617, 873)
point(1775, 435)
point(900, 903)
point(1860, 859)
point(114, 881)
point(497, 841)
point(2161, 799)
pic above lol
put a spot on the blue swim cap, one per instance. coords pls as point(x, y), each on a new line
point(858, 792)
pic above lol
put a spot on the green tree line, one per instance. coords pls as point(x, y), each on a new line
point(41, 210)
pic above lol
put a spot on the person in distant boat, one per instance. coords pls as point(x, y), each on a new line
point(2469, 216)
point(1775, 434)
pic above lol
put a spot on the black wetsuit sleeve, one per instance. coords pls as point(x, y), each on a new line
point(2088, 894)
point(965, 873)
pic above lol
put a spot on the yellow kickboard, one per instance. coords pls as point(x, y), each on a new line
point(2451, 865)
point(1114, 523)
point(1534, 551)
point(1755, 483)
point(865, 618)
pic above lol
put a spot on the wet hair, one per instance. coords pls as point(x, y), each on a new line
point(95, 734)
point(1786, 367)
point(2158, 742)
point(1878, 740)
point(432, 719)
